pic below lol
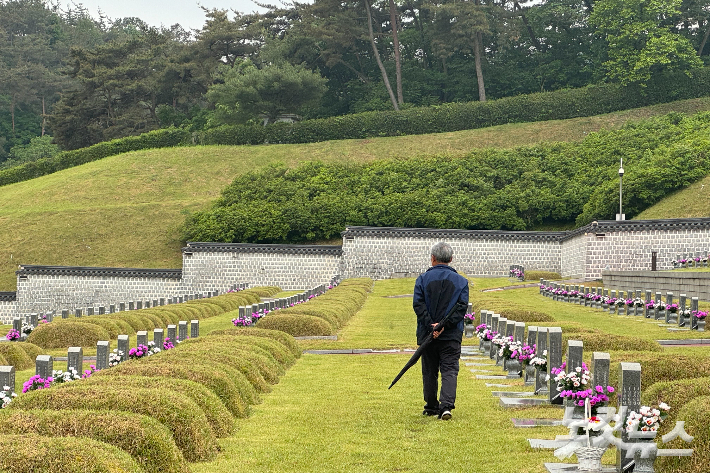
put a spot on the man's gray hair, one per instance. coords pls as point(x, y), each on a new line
point(442, 252)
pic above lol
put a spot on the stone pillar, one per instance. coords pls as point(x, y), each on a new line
point(182, 330)
point(75, 359)
point(554, 360)
point(600, 369)
point(142, 337)
point(629, 398)
point(103, 348)
point(44, 364)
point(7, 377)
point(194, 328)
point(123, 347)
point(575, 350)
point(158, 337)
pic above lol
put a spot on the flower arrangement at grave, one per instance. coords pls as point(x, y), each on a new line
point(672, 308)
point(660, 305)
point(61, 377)
point(469, 319)
point(638, 302)
point(574, 293)
point(12, 335)
point(487, 335)
point(36, 382)
point(575, 386)
point(6, 396)
point(27, 328)
point(167, 344)
point(524, 354)
point(647, 419)
point(143, 350)
point(699, 314)
point(115, 357)
point(241, 322)
point(609, 300)
point(499, 340)
point(89, 372)
point(481, 330)
point(539, 362)
point(507, 346)
point(620, 302)
point(517, 274)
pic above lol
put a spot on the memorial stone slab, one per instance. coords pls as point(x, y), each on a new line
point(123, 347)
point(103, 348)
point(161, 301)
point(172, 333)
point(648, 300)
point(510, 328)
point(49, 316)
point(182, 330)
point(65, 314)
point(502, 323)
point(575, 351)
point(519, 335)
point(77, 313)
point(131, 305)
point(121, 306)
point(17, 324)
point(554, 360)
point(44, 364)
point(628, 397)
point(7, 377)
point(139, 305)
point(146, 305)
point(34, 319)
point(142, 337)
point(693, 308)
point(111, 309)
point(89, 311)
point(158, 337)
point(194, 328)
point(102, 310)
point(532, 335)
point(75, 359)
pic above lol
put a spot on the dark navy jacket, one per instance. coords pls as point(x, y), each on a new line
point(435, 294)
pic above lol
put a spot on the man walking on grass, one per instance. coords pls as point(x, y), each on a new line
point(435, 294)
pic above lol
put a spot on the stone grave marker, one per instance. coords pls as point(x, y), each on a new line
point(194, 328)
point(628, 396)
point(139, 305)
point(575, 351)
point(142, 337)
point(123, 347)
point(670, 316)
point(510, 328)
point(49, 316)
point(146, 305)
point(656, 311)
point(172, 333)
point(65, 314)
point(161, 301)
point(7, 377)
point(34, 319)
point(17, 324)
point(111, 309)
point(600, 368)
point(131, 305)
point(77, 313)
point(121, 306)
point(102, 310)
point(519, 335)
point(103, 348)
point(693, 308)
point(75, 359)
point(182, 330)
point(554, 360)
point(645, 308)
point(158, 337)
point(89, 311)
point(44, 364)
point(681, 310)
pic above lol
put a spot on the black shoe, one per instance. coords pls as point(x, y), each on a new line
point(430, 413)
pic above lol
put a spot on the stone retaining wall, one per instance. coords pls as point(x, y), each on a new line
point(678, 282)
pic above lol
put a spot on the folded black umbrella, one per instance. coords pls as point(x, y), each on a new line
point(418, 353)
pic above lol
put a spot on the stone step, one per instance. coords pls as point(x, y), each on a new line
point(572, 467)
point(485, 376)
point(512, 393)
point(528, 423)
point(687, 341)
point(519, 403)
point(494, 385)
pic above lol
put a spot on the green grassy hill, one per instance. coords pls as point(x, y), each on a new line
point(691, 202)
point(125, 210)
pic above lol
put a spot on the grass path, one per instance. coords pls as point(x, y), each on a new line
point(333, 413)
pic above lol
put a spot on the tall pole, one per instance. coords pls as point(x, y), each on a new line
point(621, 180)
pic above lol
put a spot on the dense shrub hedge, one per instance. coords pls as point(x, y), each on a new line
point(184, 418)
point(658, 367)
point(148, 441)
point(37, 454)
point(557, 105)
point(322, 315)
point(86, 331)
point(696, 414)
point(220, 419)
point(282, 337)
point(536, 275)
point(154, 139)
point(600, 341)
point(522, 315)
point(513, 189)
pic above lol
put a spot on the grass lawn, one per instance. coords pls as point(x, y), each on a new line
point(333, 413)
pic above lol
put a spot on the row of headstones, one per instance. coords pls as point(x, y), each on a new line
point(680, 317)
point(550, 339)
point(699, 260)
point(545, 338)
point(44, 364)
point(33, 318)
point(283, 302)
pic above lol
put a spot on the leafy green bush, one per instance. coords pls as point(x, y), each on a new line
point(180, 414)
point(67, 333)
point(148, 441)
point(491, 188)
point(220, 419)
point(27, 452)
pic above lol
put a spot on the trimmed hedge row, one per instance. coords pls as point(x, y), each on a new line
point(322, 315)
point(601, 341)
point(164, 138)
point(86, 331)
point(557, 105)
point(659, 367)
point(188, 424)
point(536, 275)
point(38, 454)
point(148, 441)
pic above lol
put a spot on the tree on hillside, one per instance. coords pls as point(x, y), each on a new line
point(640, 40)
point(250, 93)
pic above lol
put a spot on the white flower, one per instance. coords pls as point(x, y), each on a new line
point(664, 406)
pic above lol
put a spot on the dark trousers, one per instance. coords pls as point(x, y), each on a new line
point(440, 356)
